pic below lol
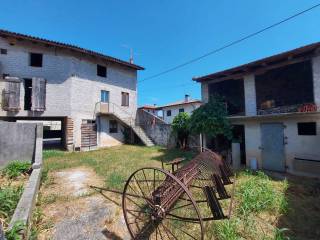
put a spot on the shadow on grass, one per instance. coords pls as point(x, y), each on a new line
point(302, 218)
point(168, 155)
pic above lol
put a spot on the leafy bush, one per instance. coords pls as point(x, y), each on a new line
point(211, 119)
point(16, 168)
point(9, 198)
point(181, 128)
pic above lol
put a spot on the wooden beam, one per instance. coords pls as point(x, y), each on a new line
point(262, 69)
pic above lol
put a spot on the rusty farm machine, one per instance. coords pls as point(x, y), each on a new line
point(162, 205)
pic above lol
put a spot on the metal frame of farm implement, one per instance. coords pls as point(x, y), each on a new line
point(158, 204)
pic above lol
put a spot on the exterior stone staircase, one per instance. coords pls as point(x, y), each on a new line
point(142, 135)
point(126, 118)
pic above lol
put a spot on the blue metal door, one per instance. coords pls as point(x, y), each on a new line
point(272, 146)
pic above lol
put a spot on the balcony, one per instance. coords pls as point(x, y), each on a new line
point(103, 108)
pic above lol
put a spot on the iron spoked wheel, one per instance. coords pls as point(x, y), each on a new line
point(150, 215)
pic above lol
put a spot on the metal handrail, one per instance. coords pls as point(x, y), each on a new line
point(116, 109)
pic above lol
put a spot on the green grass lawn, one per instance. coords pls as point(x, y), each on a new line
point(264, 208)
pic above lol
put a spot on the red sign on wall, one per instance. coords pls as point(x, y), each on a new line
point(310, 107)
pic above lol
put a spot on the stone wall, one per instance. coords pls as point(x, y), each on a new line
point(17, 141)
point(159, 131)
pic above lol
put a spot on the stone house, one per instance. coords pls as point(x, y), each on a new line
point(273, 104)
point(91, 95)
point(169, 111)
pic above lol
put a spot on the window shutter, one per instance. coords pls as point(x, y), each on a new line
point(123, 100)
point(127, 100)
point(38, 94)
point(11, 94)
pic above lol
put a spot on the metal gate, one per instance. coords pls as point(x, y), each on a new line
point(272, 146)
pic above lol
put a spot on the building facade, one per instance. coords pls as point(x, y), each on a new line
point(94, 96)
point(273, 104)
point(169, 111)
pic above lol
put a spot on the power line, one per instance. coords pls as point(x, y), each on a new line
point(229, 44)
point(170, 87)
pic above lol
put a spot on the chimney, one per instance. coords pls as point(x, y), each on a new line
point(186, 98)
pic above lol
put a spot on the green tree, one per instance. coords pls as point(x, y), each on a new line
point(211, 119)
point(181, 128)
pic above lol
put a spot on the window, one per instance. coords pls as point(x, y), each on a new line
point(104, 96)
point(168, 113)
point(113, 126)
point(27, 94)
point(124, 99)
point(307, 128)
point(3, 51)
point(35, 59)
point(181, 110)
point(35, 94)
point(101, 71)
point(88, 121)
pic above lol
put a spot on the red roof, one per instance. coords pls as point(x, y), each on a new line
point(148, 107)
point(8, 34)
point(182, 102)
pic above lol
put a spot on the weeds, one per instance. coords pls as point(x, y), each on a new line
point(9, 198)
point(257, 194)
point(53, 153)
point(16, 232)
point(15, 169)
point(115, 180)
point(227, 229)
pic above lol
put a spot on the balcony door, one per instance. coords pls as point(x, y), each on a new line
point(105, 95)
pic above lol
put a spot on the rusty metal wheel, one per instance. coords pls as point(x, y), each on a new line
point(157, 205)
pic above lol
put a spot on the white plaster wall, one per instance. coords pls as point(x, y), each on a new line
point(297, 145)
point(188, 108)
point(73, 87)
point(250, 95)
point(253, 142)
point(107, 139)
point(56, 69)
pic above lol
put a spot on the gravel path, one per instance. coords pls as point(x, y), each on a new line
point(83, 215)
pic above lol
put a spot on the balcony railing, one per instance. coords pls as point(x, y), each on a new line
point(112, 108)
point(303, 107)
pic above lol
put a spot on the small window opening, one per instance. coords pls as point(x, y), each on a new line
point(35, 59)
point(101, 71)
point(168, 113)
point(88, 121)
point(27, 94)
point(307, 128)
point(113, 126)
point(3, 51)
point(181, 110)
point(125, 99)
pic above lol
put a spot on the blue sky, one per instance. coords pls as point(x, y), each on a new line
point(168, 32)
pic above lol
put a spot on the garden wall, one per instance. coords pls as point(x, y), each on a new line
point(17, 141)
point(159, 131)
